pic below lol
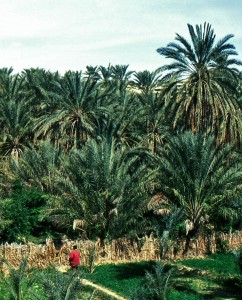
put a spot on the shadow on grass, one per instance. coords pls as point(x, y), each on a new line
point(121, 278)
point(127, 271)
point(230, 287)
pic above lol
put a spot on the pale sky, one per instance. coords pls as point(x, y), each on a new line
point(71, 34)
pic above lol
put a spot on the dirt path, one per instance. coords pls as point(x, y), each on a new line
point(104, 290)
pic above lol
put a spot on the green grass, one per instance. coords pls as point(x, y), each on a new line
point(215, 277)
point(121, 278)
point(216, 263)
point(179, 295)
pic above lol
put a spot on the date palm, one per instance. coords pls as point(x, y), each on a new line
point(204, 77)
point(39, 167)
point(200, 178)
point(152, 121)
point(61, 286)
point(120, 124)
point(76, 106)
point(94, 183)
point(120, 79)
point(146, 81)
point(38, 85)
point(11, 86)
point(15, 114)
point(17, 127)
point(19, 281)
point(114, 78)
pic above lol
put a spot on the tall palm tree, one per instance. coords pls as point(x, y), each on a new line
point(17, 130)
point(120, 121)
point(97, 173)
point(200, 178)
point(38, 85)
point(15, 115)
point(121, 79)
point(114, 80)
point(94, 183)
point(152, 123)
point(93, 72)
point(10, 85)
point(39, 167)
point(146, 81)
point(204, 78)
point(76, 106)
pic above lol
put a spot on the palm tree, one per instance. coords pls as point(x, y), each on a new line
point(95, 181)
point(15, 114)
point(39, 167)
point(19, 281)
point(76, 106)
point(200, 178)
point(119, 123)
point(204, 79)
point(100, 180)
point(146, 81)
point(17, 129)
point(120, 79)
point(38, 86)
point(156, 284)
point(61, 286)
point(151, 120)
point(93, 72)
point(10, 85)
point(105, 77)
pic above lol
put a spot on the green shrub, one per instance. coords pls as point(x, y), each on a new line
point(24, 209)
point(155, 285)
point(60, 286)
point(17, 284)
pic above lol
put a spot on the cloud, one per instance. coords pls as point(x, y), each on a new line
point(66, 34)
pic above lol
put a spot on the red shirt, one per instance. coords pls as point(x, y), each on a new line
point(74, 258)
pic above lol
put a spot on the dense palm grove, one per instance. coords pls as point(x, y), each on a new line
point(126, 153)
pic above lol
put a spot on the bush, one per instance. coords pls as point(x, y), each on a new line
point(61, 286)
point(17, 285)
point(23, 209)
point(155, 285)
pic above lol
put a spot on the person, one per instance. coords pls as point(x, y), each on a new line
point(75, 258)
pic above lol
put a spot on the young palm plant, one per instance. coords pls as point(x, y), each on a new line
point(60, 286)
point(18, 282)
point(155, 284)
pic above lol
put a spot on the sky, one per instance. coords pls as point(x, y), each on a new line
point(72, 34)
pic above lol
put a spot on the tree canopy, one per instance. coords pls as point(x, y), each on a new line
point(124, 152)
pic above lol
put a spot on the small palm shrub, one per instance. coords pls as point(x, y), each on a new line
point(19, 280)
point(61, 286)
point(155, 285)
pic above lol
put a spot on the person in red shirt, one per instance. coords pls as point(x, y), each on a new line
point(74, 258)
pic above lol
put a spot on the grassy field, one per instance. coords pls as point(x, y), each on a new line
point(215, 277)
